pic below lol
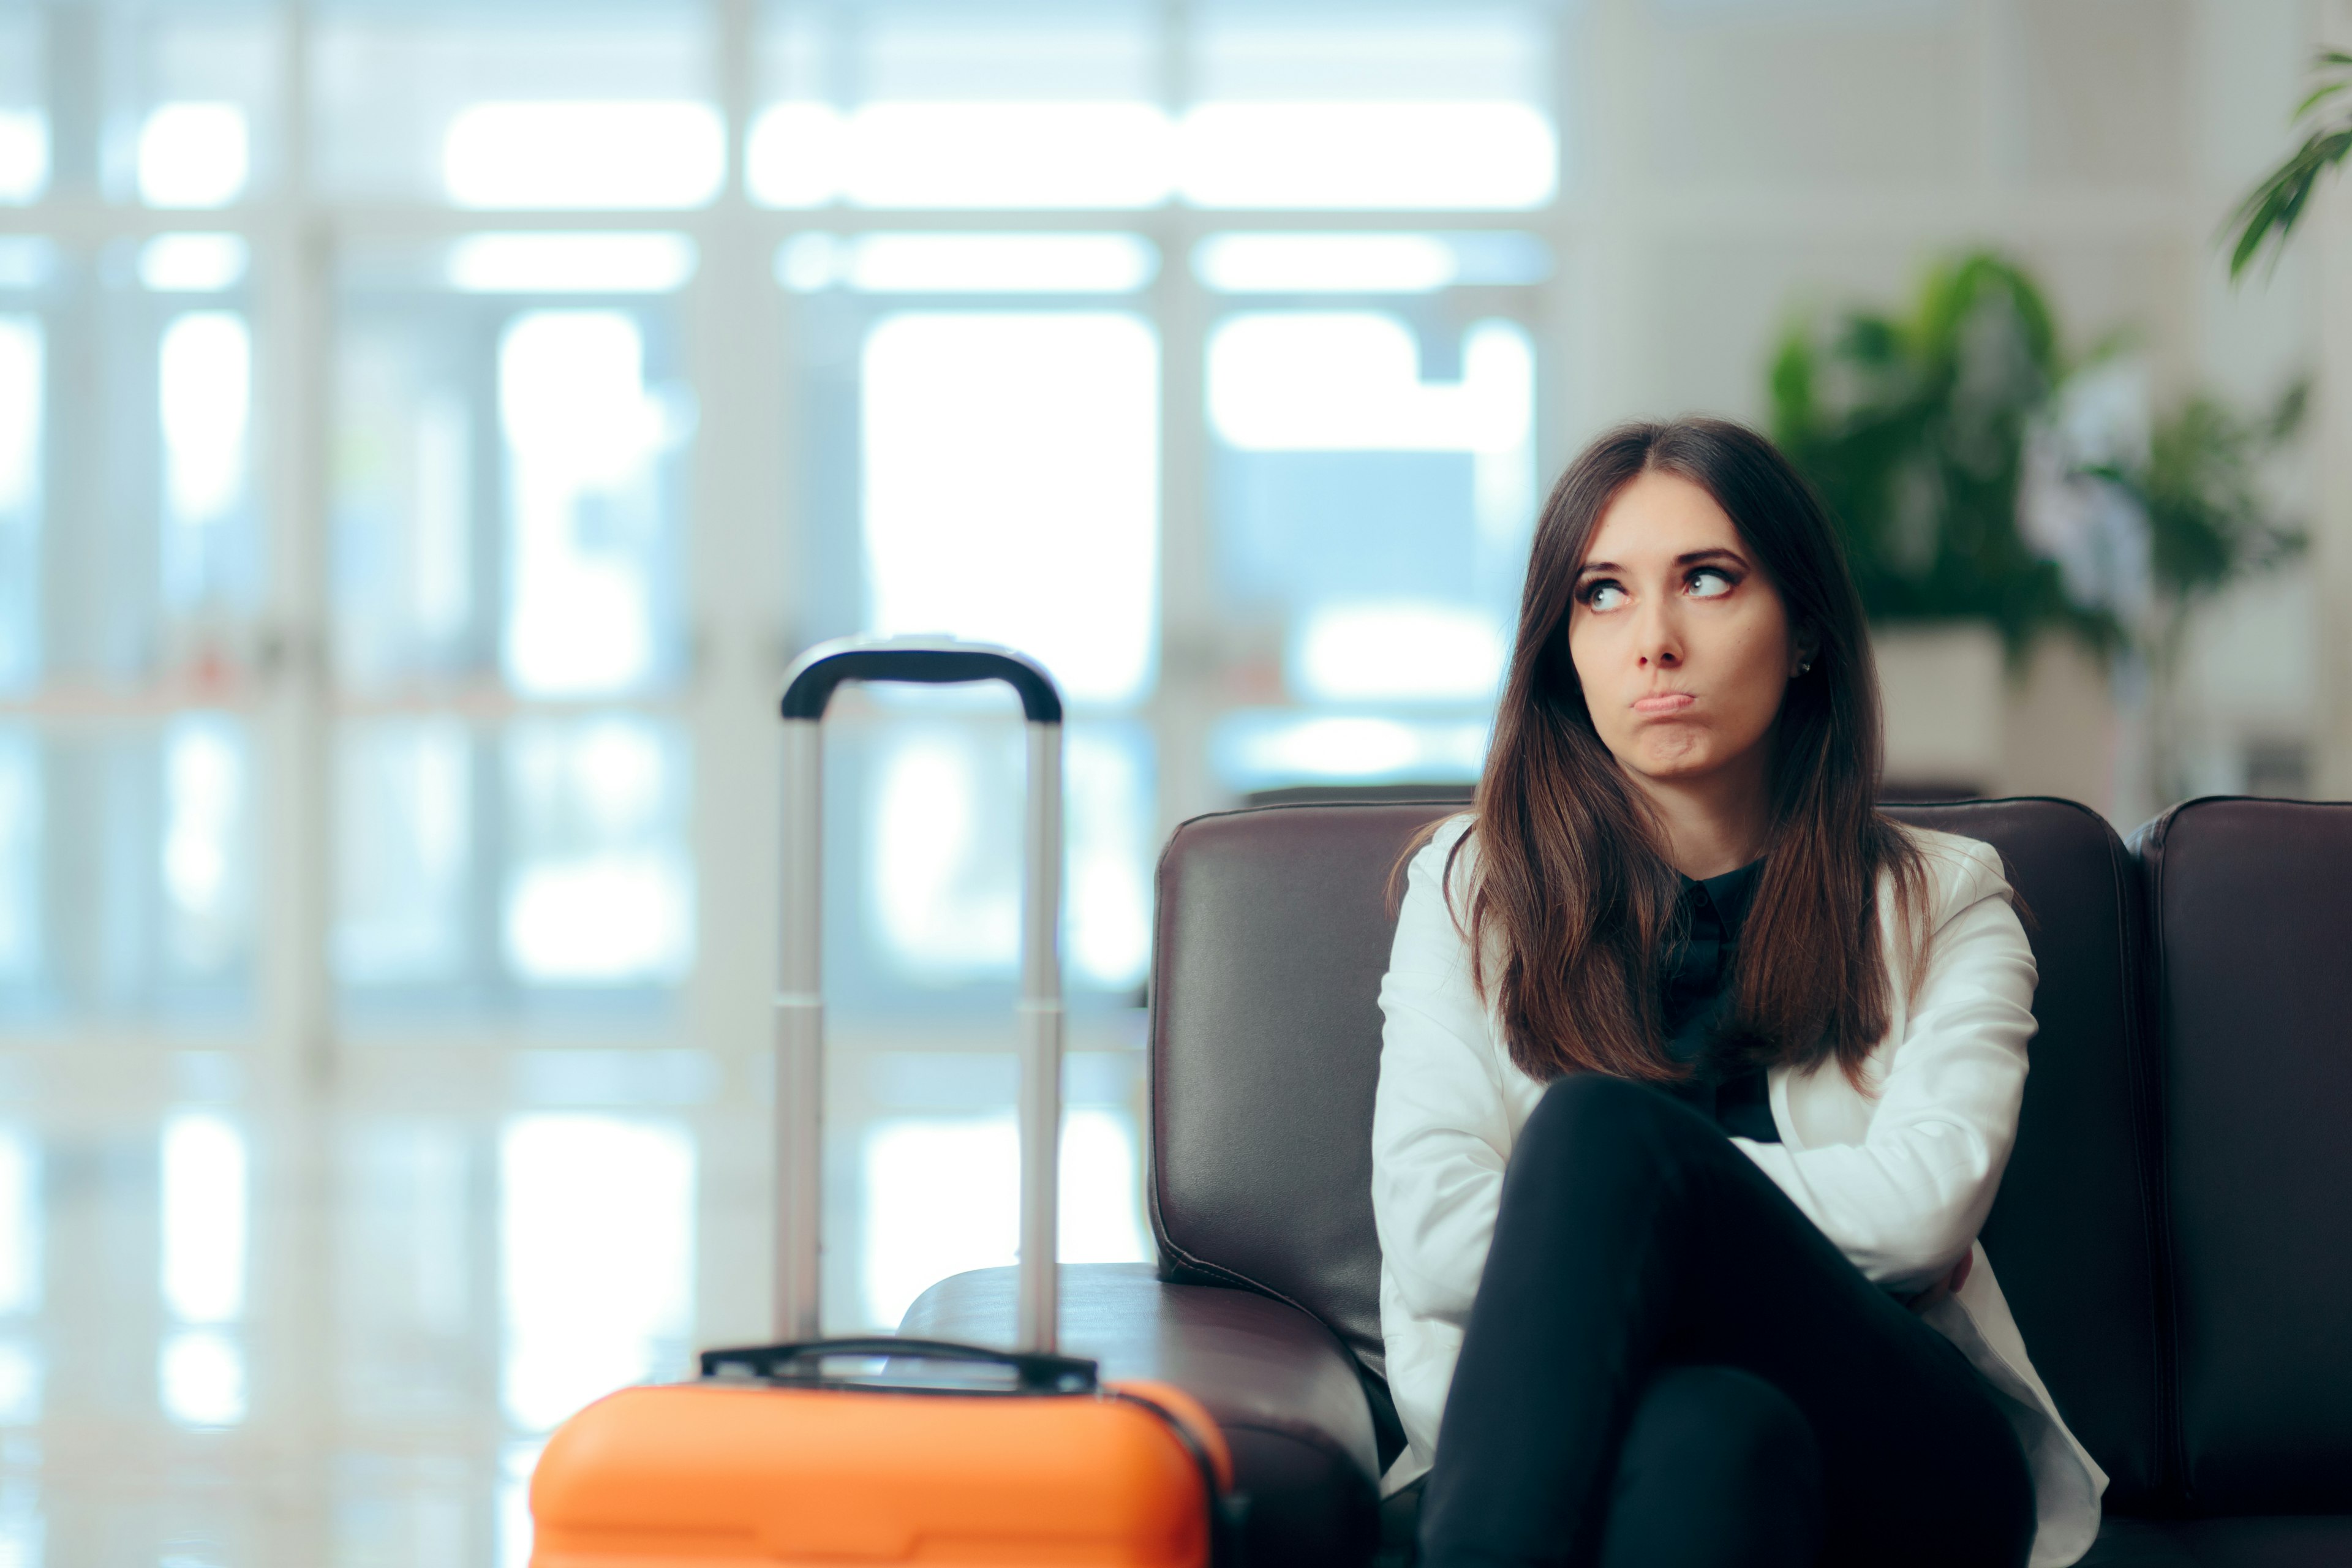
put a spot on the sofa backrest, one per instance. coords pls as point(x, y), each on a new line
point(2073, 1235)
point(2252, 906)
point(1274, 932)
point(1272, 936)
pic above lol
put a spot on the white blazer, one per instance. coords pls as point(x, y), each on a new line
point(1900, 1179)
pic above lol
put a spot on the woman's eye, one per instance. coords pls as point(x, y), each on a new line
point(1705, 584)
point(1604, 596)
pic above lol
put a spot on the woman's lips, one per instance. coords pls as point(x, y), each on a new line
point(1664, 702)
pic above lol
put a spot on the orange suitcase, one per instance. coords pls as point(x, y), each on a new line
point(889, 1450)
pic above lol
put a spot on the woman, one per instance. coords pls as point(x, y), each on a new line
point(1699, 1078)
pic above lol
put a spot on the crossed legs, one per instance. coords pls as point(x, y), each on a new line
point(1668, 1365)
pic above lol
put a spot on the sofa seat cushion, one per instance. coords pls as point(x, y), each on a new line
point(1287, 1397)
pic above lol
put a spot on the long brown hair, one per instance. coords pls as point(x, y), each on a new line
point(1574, 903)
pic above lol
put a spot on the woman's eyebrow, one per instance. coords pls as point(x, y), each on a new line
point(1688, 558)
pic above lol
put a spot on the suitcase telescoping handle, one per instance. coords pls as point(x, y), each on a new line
point(800, 1005)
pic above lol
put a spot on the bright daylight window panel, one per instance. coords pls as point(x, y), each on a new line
point(959, 107)
point(941, 849)
point(944, 1195)
point(517, 107)
point(936, 1166)
point(24, 114)
point(596, 1223)
point(127, 858)
point(23, 366)
point(129, 546)
point(1294, 110)
point(196, 121)
point(539, 866)
point(508, 507)
point(206, 1215)
point(1011, 487)
point(1372, 510)
point(1010, 494)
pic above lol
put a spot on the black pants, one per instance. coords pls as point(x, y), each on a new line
point(1668, 1365)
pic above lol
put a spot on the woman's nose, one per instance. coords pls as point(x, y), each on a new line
point(1660, 642)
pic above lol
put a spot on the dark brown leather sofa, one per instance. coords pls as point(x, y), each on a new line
point(2174, 1232)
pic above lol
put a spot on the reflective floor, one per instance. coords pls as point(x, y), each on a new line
point(258, 1317)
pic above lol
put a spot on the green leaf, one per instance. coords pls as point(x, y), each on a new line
point(2316, 96)
point(2268, 214)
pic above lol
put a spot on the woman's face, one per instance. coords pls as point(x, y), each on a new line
point(1681, 643)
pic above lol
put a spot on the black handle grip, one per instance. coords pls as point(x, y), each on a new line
point(1036, 1372)
point(946, 662)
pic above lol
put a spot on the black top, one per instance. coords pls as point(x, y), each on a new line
point(1694, 1000)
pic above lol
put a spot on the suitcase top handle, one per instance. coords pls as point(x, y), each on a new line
point(928, 662)
point(803, 1362)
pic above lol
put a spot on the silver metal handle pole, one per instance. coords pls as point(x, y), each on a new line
point(800, 1039)
point(800, 1009)
point(1041, 1040)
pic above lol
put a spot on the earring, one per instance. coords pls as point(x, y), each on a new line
point(1805, 665)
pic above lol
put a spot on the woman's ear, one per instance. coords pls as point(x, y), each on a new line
point(1808, 648)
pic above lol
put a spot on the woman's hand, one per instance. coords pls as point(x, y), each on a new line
point(1943, 1288)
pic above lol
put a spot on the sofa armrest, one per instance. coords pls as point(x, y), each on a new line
point(1287, 1397)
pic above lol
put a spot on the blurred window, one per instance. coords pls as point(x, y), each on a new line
point(21, 1217)
point(587, 537)
point(22, 953)
point(515, 105)
point(22, 1243)
point(509, 505)
point(194, 117)
point(962, 155)
point(22, 374)
point(596, 1248)
point(1327, 263)
point(484, 869)
point(205, 393)
point(130, 865)
point(583, 155)
point(571, 263)
point(1368, 155)
point(24, 111)
point(1371, 524)
point(1011, 487)
point(969, 263)
point(205, 1213)
point(193, 155)
point(192, 263)
point(999, 468)
point(23, 155)
point(130, 569)
point(942, 1194)
point(598, 889)
point(1301, 108)
point(403, 854)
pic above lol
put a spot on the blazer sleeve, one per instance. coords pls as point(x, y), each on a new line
point(1905, 1201)
point(1440, 1128)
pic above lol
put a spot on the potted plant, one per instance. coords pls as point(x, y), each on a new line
point(1917, 429)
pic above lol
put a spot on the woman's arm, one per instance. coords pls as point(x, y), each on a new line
point(1439, 1126)
point(1905, 1203)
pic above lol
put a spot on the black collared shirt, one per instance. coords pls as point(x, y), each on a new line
point(1695, 1002)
